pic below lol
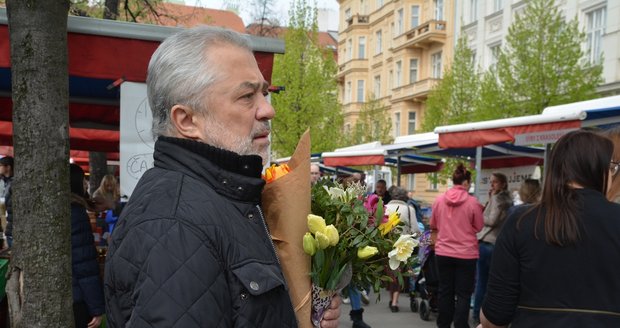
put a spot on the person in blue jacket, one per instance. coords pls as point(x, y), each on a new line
point(88, 299)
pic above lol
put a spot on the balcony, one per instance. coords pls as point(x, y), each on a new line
point(357, 19)
point(353, 65)
point(424, 35)
point(417, 91)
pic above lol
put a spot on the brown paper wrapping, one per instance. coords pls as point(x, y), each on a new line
point(286, 203)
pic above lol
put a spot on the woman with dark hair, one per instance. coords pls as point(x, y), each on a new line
point(457, 217)
point(88, 301)
point(614, 189)
point(494, 214)
point(572, 233)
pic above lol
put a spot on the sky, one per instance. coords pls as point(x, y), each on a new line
point(282, 7)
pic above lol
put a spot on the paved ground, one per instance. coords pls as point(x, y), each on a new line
point(378, 315)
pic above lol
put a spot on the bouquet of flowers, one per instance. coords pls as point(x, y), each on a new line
point(351, 240)
point(342, 237)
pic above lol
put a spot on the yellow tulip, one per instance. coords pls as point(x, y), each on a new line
point(392, 221)
point(322, 239)
point(332, 234)
point(366, 252)
point(316, 224)
point(310, 244)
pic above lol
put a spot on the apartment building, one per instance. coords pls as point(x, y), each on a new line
point(486, 22)
point(395, 52)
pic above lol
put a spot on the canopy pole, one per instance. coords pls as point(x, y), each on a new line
point(375, 173)
point(478, 171)
point(398, 171)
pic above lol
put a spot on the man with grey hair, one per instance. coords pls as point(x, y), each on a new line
point(191, 248)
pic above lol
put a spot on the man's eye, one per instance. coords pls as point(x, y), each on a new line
point(265, 93)
point(249, 95)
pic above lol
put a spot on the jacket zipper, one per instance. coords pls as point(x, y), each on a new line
point(273, 247)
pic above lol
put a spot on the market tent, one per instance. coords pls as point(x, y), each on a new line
point(103, 54)
point(545, 128)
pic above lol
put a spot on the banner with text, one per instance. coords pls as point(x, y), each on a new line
point(515, 176)
point(136, 144)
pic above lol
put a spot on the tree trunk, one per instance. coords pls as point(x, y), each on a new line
point(110, 10)
point(39, 287)
point(98, 168)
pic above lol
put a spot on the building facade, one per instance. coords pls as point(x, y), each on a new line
point(394, 52)
point(486, 23)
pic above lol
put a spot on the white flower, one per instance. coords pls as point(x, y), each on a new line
point(403, 248)
point(335, 193)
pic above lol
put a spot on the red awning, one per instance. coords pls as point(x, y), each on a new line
point(475, 138)
point(79, 139)
point(354, 160)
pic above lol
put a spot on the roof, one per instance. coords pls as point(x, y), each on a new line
point(325, 39)
point(171, 14)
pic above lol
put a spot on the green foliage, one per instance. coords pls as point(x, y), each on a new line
point(357, 229)
point(372, 124)
point(453, 99)
point(309, 101)
point(542, 64)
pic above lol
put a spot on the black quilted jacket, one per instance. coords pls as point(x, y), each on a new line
point(191, 248)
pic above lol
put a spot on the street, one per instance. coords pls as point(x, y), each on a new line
point(378, 315)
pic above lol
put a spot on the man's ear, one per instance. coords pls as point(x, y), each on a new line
point(185, 121)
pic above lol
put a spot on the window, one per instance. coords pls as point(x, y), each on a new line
point(495, 51)
point(390, 79)
point(473, 10)
point(362, 7)
point(498, 5)
point(396, 125)
point(379, 4)
point(439, 9)
point(413, 70)
point(472, 60)
point(393, 34)
point(349, 49)
point(399, 70)
point(361, 47)
point(378, 45)
point(436, 65)
point(411, 123)
point(432, 182)
point(399, 21)
point(411, 181)
point(377, 88)
point(595, 29)
point(360, 90)
point(415, 16)
point(347, 93)
point(347, 13)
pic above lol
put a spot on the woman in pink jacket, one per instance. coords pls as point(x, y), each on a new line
point(457, 217)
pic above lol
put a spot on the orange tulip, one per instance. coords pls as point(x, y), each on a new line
point(275, 172)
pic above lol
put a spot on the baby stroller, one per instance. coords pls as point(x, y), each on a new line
point(423, 294)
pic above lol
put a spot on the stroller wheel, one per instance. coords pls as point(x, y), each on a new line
point(413, 303)
point(425, 310)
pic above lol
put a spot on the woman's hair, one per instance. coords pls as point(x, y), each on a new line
point(398, 193)
point(501, 177)
point(580, 157)
point(614, 135)
point(529, 192)
point(108, 187)
point(76, 175)
point(461, 174)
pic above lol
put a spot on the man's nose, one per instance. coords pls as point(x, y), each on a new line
point(265, 110)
